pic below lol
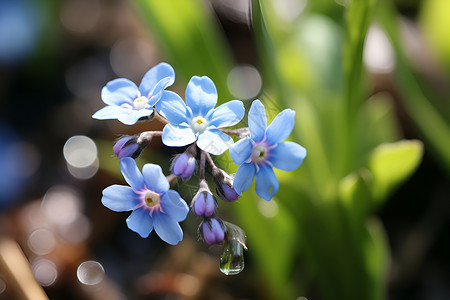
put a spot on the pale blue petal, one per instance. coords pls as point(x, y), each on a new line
point(110, 112)
point(201, 95)
point(266, 183)
point(172, 107)
point(177, 136)
point(281, 127)
point(154, 178)
point(168, 229)
point(241, 150)
point(119, 91)
point(157, 92)
point(174, 206)
point(133, 116)
point(244, 177)
point(287, 156)
point(228, 114)
point(131, 173)
point(214, 141)
point(257, 121)
point(156, 79)
point(140, 221)
point(119, 198)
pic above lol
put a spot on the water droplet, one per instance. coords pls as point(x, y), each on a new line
point(232, 258)
point(90, 272)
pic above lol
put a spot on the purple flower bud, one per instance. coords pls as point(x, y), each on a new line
point(130, 146)
point(204, 201)
point(184, 164)
point(212, 230)
point(224, 185)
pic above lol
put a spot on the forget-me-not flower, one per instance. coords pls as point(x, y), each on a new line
point(198, 120)
point(128, 103)
point(153, 204)
point(263, 150)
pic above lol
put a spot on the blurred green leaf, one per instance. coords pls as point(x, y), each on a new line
point(190, 38)
point(391, 163)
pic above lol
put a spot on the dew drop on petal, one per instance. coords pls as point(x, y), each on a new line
point(90, 272)
point(232, 258)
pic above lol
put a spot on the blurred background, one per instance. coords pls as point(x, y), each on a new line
point(365, 217)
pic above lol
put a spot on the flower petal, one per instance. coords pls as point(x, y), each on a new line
point(241, 150)
point(201, 95)
point(154, 178)
point(172, 107)
point(119, 198)
point(266, 183)
point(287, 156)
point(156, 79)
point(281, 127)
point(174, 205)
point(257, 121)
point(177, 136)
point(133, 116)
point(131, 173)
point(214, 141)
point(168, 229)
point(228, 114)
point(140, 221)
point(119, 91)
point(110, 112)
point(244, 177)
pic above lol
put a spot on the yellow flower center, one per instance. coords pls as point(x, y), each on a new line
point(151, 199)
point(199, 124)
point(140, 103)
point(259, 153)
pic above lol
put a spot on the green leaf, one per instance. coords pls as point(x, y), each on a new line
point(392, 163)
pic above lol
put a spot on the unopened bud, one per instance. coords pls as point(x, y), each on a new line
point(130, 146)
point(204, 201)
point(224, 185)
point(184, 164)
point(212, 230)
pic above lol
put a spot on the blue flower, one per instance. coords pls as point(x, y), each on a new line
point(128, 103)
point(197, 120)
point(152, 203)
point(263, 150)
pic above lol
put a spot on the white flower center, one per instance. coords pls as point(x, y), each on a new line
point(259, 153)
point(199, 124)
point(140, 103)
point(151, 199)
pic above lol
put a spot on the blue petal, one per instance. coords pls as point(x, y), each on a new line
point(133, 116)
point(110, 112)
point(119, 91)
point(257, 121)
point(172, 107)
point(119, 198)
point(201, 95)
point(287, 156)
point(244, 177)
point(131, 173)
point(281, 127)
point(156, 79)
point(241, 150)
point(228, 114)
point(167, 228)
point(177, 136)
point(174, 206)
point(266, 183)
point(154, 178)
point(140, 221)
point(214, 141)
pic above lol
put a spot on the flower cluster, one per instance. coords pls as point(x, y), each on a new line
point(197, 124)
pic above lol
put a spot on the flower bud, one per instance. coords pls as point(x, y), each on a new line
point(130, 146)
point(184, 164)
point(212, 230)
point(224, 185)
point(204, 201)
